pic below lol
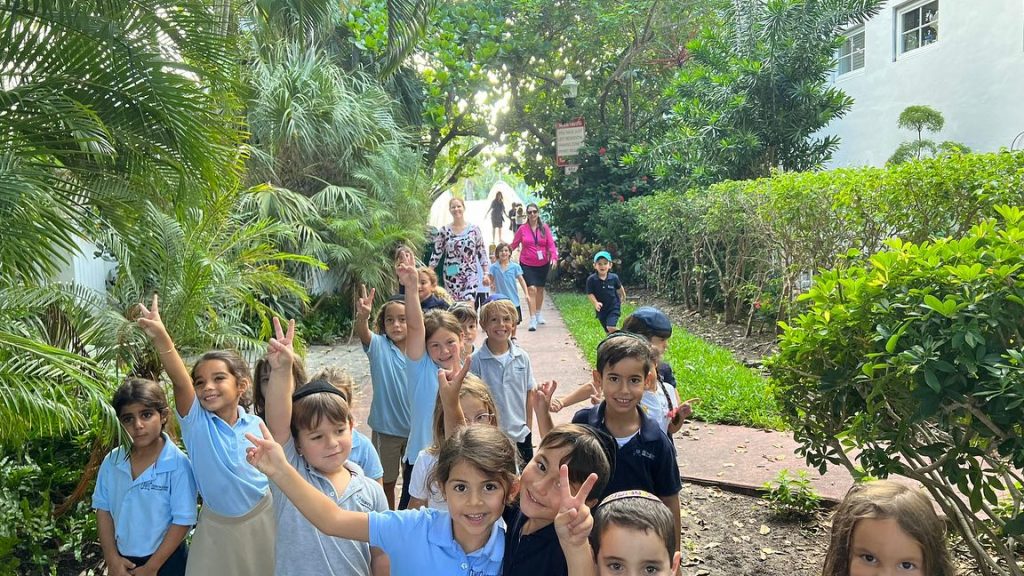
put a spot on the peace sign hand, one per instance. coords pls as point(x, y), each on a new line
point(364, 305)
point(542, 400)
point(280, 349)
point(407, 275)
point(149, 319)
point(574, 521)
point(449, 382)
point(265, 454)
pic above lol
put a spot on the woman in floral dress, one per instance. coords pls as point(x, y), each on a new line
point(461, 245)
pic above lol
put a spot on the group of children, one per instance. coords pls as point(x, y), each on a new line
point(286, 490)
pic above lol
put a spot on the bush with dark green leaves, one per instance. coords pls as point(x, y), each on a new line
point(915, 362)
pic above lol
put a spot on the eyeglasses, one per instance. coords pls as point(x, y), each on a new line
point(483, 419)
point(531, 211)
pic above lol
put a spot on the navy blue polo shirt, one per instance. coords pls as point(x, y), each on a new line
point(606, 291)
point(534, 554)
point(666, 375)
point(646, 462)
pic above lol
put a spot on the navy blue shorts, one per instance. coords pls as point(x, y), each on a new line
point(609, 317)
point(535, 275)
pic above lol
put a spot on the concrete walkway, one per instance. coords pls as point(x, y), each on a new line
point(733, 457)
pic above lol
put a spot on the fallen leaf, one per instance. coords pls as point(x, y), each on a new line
point(764, 530)
point(728, 465)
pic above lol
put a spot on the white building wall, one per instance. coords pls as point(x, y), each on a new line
point(84, 268)
point(973, 75)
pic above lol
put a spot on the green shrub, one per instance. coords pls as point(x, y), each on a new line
point(791, 496)
point(329, 321)
point(916, 360)
point(576, 262)
point(718, 248)
point(32, 481)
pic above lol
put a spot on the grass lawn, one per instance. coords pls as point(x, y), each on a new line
point(730, 392)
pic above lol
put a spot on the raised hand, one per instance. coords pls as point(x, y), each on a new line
point(265, 454)
point(574, 521)
point(683, 411)
point(406, 271)
point(449, 382)
point(364, 305)
point(597, 396)
point(280, 349)
point(542, 399)
point(149, 319)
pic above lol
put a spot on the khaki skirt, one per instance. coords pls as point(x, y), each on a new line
point(242, 545)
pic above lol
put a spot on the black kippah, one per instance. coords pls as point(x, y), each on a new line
point(608, 445)
point(317, 387)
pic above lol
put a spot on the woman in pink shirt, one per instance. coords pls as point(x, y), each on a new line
point(537, 255)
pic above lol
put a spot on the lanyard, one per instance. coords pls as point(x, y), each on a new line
point(534, 232)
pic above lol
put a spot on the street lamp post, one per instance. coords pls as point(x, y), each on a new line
point(569, 88)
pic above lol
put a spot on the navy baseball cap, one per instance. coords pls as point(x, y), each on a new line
point(654, 319)
point(495, 297)
point(603, 254)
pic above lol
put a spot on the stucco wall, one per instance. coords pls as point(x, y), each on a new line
point(973, 75)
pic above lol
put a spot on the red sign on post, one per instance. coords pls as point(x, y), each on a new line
point(569, 137)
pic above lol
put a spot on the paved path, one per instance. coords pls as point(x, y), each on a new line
point(733, 457)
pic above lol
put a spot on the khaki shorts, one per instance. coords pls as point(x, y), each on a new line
point(391, 449)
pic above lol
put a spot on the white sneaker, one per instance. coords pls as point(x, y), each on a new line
point(540, 319)
point(533, 324)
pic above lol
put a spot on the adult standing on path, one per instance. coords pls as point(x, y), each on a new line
point(461, 244)
point(497, 212)
point(538, 252)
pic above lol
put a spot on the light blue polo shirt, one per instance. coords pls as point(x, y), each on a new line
point(509, 383)
point(421, 542)
point(390, 412)
point(365, 455)
point(422, 376)
point(300, 548)
point(230, 486)
point(505, 280)
point(144, 508)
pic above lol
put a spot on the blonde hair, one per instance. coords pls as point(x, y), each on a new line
point(429, 273)
point(340, 379)
point(882, 500)
point(473, 387)
point(495, 308)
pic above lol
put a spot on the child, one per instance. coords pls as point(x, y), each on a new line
point(390, 411)
point(476, 474)
point(363, 452)
point(428, 290)
point(605, 292)
point(235, 532)
point(468, 319)
point(661, 401)
point(260, 377)
point(506, 370)
point(646, 459)
point(315, 425)
point(507, 279)
point(434, 341)
point(884, 525)
point(632, 534)
point(145, 499)
point(477, 408)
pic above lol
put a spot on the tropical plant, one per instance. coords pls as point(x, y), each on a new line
point(755, 91)
point(912, 364)
point(791, 496)
point(920, 119)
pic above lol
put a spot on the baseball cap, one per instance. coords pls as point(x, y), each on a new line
point(602, 254)
point(654, 319)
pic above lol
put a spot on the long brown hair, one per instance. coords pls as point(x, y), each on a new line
point(882, 500)
point(259, 401)
point(237, 367)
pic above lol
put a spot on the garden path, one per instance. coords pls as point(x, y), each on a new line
point(732, 457)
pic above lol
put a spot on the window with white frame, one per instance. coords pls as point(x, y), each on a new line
point(851, 53)
point(918, 26)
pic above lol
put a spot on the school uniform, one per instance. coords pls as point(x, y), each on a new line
point(658, 403)
point(302, 549)
point(422, 378)
point(646, 461)
point(365, 455)
point(606, 291)
point(389, 406)
point(531, 554)
point(433, 303)
point(509, 377)
point(235, 531)
point(419, 484)
point(506, 282)
point(421, 541)
point(144, 508)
